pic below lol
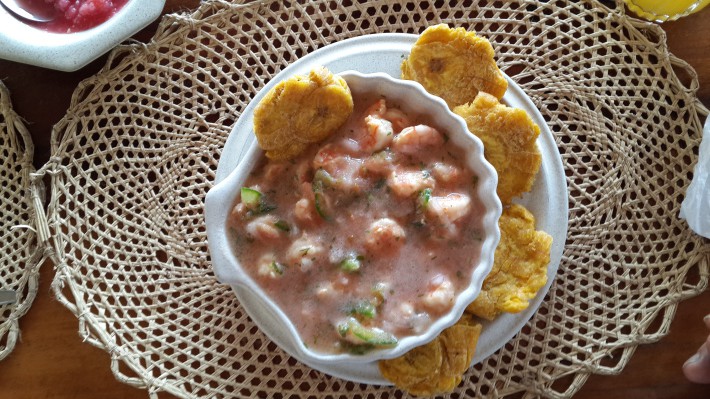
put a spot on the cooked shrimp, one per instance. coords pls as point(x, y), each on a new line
point(447, 210)
point(394, 115)
point(450, 208)
point(327, 291)
point(305, 212)
point(239, 211)
point(344, 169)
point(331, 290)
point(268, 266)
point(440, 295)
point(384, 235)
point(378, 134)
point(303, 171)
point(306, 190)
point(264, 228)
point(403, 318)
point(326, 156)
point(378, 109)
point(381, 123)
point(304, 252)
point(407, 183)
point(399, 119)
point(446, 173)
point(380, 163)
point(273, 171)
point(414, 139)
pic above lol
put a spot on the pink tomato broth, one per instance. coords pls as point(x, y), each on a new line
point(380, 226)
point(75, 15)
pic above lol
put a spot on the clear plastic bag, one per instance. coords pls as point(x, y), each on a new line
point(695, 208)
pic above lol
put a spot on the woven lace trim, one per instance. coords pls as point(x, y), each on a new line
point(21, 253)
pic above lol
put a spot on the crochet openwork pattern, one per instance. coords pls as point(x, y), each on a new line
point(138, 149)
point(22, 255)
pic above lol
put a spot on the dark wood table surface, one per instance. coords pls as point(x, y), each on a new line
point(51, 361)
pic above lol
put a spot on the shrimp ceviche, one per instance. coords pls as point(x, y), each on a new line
point(365, 238)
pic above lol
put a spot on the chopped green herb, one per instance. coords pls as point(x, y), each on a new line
point(356, 333)
point(343, 329)
point(277, 268)
point(360, 349)
point(423, 199)
point(282, 225)
point(363, 308)
point(475, 235)
point(351, 264)
point(474, 180)
point(321, 204)
point(265, 208)
point(323, 178)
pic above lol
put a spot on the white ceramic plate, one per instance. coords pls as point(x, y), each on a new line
point(547, 200)
point(70, 51)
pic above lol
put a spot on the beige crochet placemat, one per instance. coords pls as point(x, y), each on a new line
point(138, 149)
point(20, 253)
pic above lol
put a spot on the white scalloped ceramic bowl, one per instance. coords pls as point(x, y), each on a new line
point(23, 43)
point(411, 97)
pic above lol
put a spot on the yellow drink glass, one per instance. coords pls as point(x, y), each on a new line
point(665, 10)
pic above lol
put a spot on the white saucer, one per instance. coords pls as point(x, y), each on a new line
point(547, 200)
point(70, 51)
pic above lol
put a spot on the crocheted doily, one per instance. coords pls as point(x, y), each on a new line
point(138, 148)
point(21, 253)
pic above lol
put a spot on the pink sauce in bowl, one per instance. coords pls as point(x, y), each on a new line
point(378, 226)
point(341, 283)
point(75, 15)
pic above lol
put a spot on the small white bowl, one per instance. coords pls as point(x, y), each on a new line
point(411, 97)
point(23, 43)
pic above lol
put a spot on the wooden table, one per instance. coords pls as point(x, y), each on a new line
point(50, 361)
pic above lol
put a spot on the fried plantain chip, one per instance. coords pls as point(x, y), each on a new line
point(289, 151)
point(454, 64)
point(436, 367)
point(299, 111)
point(519, 266)
point(509, 140)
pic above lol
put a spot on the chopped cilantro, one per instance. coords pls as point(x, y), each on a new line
point(282, 225)
point(277, 268)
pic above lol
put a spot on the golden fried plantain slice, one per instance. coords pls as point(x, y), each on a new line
point(289, 151)
point(438, 366)
point(509, 140)
point(519, 266)
point(299, 111)
point(454, 64)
